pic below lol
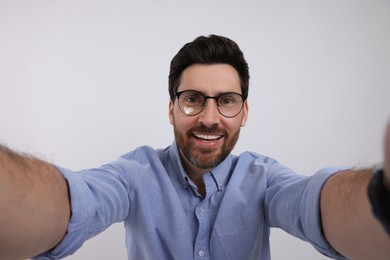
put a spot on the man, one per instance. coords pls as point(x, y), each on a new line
point(194, 199)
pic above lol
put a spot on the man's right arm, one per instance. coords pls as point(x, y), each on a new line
point(34, 206)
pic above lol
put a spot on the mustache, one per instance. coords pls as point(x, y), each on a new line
point(208, 130)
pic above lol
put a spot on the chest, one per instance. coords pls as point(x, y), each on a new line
point(227, 222)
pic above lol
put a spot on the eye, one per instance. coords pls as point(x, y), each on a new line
point(192, 98)
point(228, 100)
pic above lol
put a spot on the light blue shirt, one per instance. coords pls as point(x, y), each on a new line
point(166, 218)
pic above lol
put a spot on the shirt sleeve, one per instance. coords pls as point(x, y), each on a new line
point(293, 203)
point(98, 198)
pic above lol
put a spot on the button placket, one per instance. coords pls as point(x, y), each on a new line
point(202, 238)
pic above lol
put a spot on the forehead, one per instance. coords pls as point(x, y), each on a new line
point(210, 79)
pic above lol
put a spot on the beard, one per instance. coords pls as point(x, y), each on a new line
point(205, 158)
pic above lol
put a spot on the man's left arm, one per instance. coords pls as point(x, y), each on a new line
point(348, 221)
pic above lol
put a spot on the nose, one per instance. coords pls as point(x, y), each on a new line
point(210, 114)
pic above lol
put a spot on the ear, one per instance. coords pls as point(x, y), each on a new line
point(170, 112)
point(245, 113)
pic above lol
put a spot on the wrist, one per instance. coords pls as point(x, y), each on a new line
point(379, 197)
point(386, 180)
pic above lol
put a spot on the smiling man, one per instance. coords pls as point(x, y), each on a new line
point(194, 199)
point(207, 116)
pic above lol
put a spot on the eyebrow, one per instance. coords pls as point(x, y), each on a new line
point(215, 95)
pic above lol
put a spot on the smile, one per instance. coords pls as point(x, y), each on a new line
point(208, 137)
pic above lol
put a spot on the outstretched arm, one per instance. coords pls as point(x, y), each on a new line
point(34, 206)
point(347, 219)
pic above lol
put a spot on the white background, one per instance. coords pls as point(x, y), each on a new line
point(82, 82)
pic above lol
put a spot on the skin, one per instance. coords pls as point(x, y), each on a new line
point(34, 203)
point(211, 80)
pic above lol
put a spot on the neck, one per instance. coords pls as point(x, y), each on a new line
point(195, 174)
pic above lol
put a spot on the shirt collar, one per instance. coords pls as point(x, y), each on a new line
point(219, 173)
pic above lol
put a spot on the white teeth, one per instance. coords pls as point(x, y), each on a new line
point(208, 137)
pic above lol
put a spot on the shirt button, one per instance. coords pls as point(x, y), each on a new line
point(200, 210)
point(201, 253)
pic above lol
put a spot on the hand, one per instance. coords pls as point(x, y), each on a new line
point(387, 157)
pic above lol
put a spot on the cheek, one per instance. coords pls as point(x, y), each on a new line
point(178, 119)
point(235, 124)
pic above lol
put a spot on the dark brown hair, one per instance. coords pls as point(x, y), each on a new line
point(213, 49)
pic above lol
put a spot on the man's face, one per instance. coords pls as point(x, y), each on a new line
point(204, 140)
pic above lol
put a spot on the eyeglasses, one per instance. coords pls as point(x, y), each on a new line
point(192, 102)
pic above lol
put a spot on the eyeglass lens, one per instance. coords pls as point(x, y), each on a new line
point(192, 102)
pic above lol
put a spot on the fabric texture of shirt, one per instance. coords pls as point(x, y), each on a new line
point(166, 218)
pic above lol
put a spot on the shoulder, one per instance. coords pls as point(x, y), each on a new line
point(139, 160)
point(253, 158)
point(265, 166)
point(145, 154)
